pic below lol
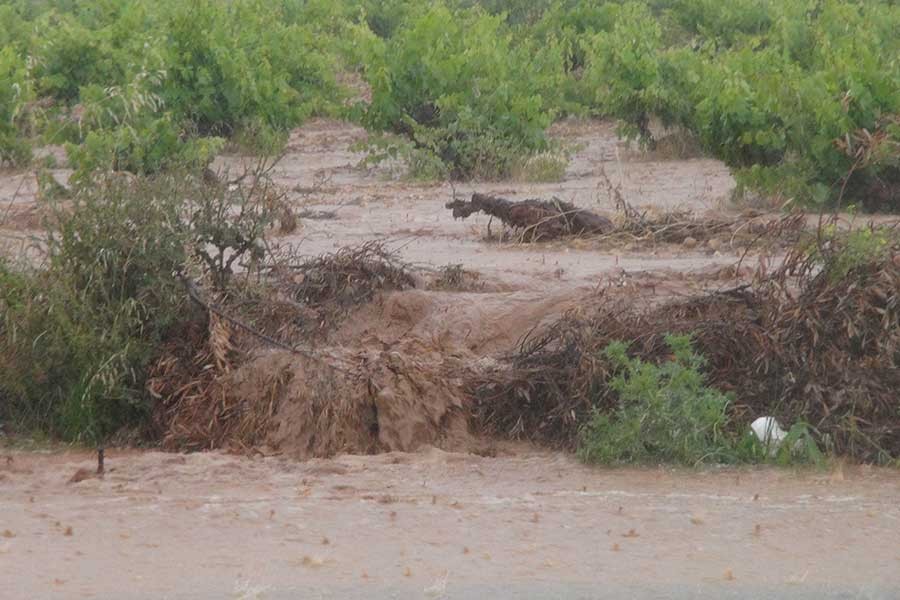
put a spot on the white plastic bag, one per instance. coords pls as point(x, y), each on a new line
point(769, 432)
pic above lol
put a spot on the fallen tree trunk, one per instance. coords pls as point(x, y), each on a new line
point(537, 219)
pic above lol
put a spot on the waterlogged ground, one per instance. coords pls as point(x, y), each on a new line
point(522, 524)
point(526, 524)
point(322, 175)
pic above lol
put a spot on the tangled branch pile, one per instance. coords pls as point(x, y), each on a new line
point(677, 226)
point(296, 298)
point(332, 283)
point(816, 341)
point(246, 380)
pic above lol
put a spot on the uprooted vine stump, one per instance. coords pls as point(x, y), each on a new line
point(536, 219)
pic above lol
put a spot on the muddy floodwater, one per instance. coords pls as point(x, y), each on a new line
point(523, 524)
point(519, 523)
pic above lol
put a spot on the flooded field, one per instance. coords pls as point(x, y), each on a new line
point(457, 522)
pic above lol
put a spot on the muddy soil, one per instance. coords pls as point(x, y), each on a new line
point(524, 524)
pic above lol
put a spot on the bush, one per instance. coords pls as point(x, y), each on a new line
point(168, 73)
point(76, 334)
point(239, 62)
point(15, 92)
point(452, 82)
point(384, 17)
point(124, 128)
point(801, 104)
point(545, 167)
point(79, 332)
point(516, 12)
point(666, 413)
point(71, 55)
point(623, 69)
point(725, 23)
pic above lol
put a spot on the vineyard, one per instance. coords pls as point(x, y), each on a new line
point(800, 99)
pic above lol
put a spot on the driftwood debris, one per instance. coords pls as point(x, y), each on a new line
point(536, 219)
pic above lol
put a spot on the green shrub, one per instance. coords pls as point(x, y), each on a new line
point(516, 12)
point(79, 330)
point(12, 28)
point(71, 55)
point(545, 167)
point(126, 129)
point(572, 23)
point(801, 103)
point(15, 92)
point(666, 413)
point(231, 63)
point(452, 82)
point(384, 17)
point(623, 69)
point(724, 23)
point(840, 252)
point(154, 76)
point(77, 333)
point(417, 162)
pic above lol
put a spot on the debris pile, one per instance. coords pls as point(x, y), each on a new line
point(688, 228)
point(331, 284)
point(814, 341)
point(544, 220)
point(255, 380)
point(804, 343)
point(394, 399)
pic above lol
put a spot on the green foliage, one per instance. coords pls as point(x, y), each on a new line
point(76, 334)
point(801, 100)
point(125, 128)
point(623, 69)
point(802, 103)
point(15, 92)
point(147, 147)
point(839, 253)
point(544, 167)
point(419, 163)
point(799, 447)
point(724, 23)
point(516, 12)
point(70, 55)
point(572, 22)
point(452, 82)
point(153, 77)
point(666, 413)
point(384, 17)
point(234, 62)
